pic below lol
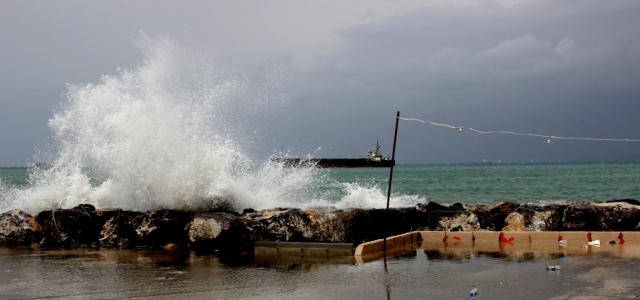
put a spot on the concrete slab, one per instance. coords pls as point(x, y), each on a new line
point(390, 243)
point(337, 252)
point(317, 251)
point(306, 249)
point(290, 250)
point(265, 251)
point(408, 249)
point(310, 262)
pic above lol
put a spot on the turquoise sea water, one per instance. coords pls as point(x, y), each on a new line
point(519, 182)
point(464, 183)
point(14, 177)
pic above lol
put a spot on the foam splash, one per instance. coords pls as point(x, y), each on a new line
point(173, 133)
point(168, 134)
point(363, 196)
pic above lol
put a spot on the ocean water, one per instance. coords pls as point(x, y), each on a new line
point(449, 183)
point(489, 183)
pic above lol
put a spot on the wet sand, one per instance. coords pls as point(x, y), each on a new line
point(426, 270)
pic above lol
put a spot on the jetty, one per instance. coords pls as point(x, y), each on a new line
point(84, 226)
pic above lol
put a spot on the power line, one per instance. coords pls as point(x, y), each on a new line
point(548, 137)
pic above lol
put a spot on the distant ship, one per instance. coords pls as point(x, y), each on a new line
point(43, 165)
point(486, 162)
point(373, 160)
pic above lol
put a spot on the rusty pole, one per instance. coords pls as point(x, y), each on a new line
point(393, 159)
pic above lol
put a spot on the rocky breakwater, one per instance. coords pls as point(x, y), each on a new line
point(84, 226)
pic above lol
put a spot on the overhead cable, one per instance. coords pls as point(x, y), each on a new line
point(548, 137)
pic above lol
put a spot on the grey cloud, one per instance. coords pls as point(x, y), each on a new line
point(565, 68)
point(557, 67)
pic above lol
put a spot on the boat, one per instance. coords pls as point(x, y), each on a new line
point(373, 160)
point(43, 165)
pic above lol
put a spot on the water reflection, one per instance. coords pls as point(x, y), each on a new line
point(422, 270)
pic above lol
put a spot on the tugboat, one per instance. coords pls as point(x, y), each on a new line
point(374, 160)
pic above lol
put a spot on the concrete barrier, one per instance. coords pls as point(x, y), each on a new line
point(534, 237)
point(388, 244)
point(306, 249)
point(530, 245)
point(517, 242)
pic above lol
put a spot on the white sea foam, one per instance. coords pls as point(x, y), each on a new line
point(171, 133)
point(362, 196)
point(167, 134)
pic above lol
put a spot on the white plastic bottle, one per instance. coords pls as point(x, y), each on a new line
point(473, 292)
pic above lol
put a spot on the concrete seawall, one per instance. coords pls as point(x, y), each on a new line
point(574, 242)
point(389, 244)
point(533, 237)
point(305, 249)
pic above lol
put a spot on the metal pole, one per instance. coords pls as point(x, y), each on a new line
point(393, 158)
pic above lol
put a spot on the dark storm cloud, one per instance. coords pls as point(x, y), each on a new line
point(567, 68)
point(43, 46)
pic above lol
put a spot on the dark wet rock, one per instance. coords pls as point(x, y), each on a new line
point(361, 225)
point(248, 211)
point(75, 227)
point(288, 225)
point(606, 217)
point(18, 227)
point(514, 222)
point(294, 225)
point(323, 208)
point(458, 221)
point(84, 226)
point(457, 228)
point(120, 229)
point(573, 216)
point(435, 216)
point(538, 216)
point(130, 229)
point(447, 220)
point(434, 206)
point(326, 225)
point(457, 206)
point(106, 214)
point(279, 225)
point(205, 228)
point(492, 216)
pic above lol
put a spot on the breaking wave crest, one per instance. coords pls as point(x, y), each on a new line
point(362, 196)
point(170, 133)
point(174, 133)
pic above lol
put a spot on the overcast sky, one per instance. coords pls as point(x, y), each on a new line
point(563, 67)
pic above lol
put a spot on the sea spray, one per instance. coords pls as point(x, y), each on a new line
point(174, 133)
point(360, 195)
point(170, 133)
